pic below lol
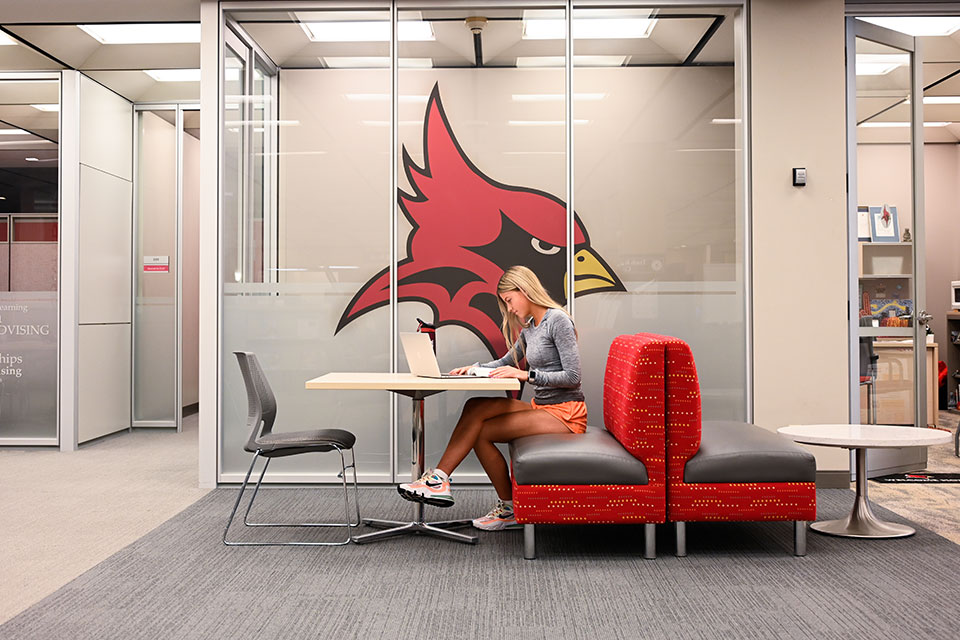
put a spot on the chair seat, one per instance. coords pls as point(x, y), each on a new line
point(594, 457)
point(287, 443)
point(742, 452)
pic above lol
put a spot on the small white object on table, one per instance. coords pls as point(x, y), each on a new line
point(417, 388)
point(862, 523)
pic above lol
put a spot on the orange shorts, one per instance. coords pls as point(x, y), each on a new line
point(573, 413)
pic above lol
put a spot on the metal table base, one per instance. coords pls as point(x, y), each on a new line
point(417, 526)
point(862, 523)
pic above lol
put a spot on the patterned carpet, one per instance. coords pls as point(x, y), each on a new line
point(935, 505)
point(739, 581)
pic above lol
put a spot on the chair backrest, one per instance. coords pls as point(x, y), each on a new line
point(683, 408)
point(633, 399)
point(261, 403)
point(868, 360)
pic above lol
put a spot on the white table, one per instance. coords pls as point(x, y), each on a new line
point(417, 389)
point(862, 523)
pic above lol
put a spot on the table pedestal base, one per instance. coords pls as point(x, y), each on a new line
point(862, 523)
point(417, 527)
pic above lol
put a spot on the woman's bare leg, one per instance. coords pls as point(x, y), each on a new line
point(464, 435)
point(505, 428)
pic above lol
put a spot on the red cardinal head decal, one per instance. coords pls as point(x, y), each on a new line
point(467, 230)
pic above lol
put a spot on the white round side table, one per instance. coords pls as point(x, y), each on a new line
point(862, 523)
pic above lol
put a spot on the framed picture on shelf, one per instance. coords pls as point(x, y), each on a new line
point(884, 226)
point(863, 224)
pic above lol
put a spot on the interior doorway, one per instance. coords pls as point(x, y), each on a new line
point(166, 255)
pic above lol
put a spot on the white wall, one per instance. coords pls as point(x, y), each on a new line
point(799, 234)
point(104, 261)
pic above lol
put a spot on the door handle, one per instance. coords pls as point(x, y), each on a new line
point(923, 318)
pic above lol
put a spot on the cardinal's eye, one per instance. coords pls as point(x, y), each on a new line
point(545, 248)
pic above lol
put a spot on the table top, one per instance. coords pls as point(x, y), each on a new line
point(864, 435)
point(409, 382)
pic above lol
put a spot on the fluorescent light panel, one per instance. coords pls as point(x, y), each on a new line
point(555, 97)
point(13, 132)
point(880, 64)
point(46, 107)
point(144, 33)
point(940, 100)
point(919, 26)
point(6, 40)
point(174, 75)
point(374, 62)
point(899, 125)
point(369, 31)
point(578, 61)
point(538, 26)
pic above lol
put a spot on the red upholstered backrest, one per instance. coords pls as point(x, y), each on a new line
point(683, 408)
point(633, 399)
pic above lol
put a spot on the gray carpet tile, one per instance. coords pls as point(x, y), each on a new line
point(739, 581)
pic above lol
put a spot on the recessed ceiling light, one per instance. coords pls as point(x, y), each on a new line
point(46, 107)
point(578, 61)
point(542, 123)
point(555, 97)
point(174, 75)
point(880, 64)
point(372, 31)
point(34, 77)
point(374, 62)
point(940, 100)
point(13, 132)
point(6, 40)
point(899, 125)
point(32, 159)
point(587, 28)
point(919, 26)
point(146, 33)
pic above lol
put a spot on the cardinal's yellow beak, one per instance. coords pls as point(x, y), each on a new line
point(591, 274)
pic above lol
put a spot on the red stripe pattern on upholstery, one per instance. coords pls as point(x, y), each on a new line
point(633, 411)
point(708, 501)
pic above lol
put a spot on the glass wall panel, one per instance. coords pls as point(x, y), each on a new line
point(156, 269)
point(325, 229)
point(29, 231)
point(656, 171)
point(482, 184)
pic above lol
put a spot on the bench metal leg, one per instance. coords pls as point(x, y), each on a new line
point(529, 542)
point(681, 539)
point(650, 541)
point(800, 538)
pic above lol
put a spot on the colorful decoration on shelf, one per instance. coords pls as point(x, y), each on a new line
point(892, 312)
point(906, 235)
point(866, 308)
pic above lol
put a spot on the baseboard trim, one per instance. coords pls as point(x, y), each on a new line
point(833, 479)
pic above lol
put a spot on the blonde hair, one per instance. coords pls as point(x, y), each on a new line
point(522, 279)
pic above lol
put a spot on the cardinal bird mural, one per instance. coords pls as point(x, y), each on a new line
point(468, 229)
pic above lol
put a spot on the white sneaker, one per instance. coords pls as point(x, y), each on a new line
point(499, 518)
point(429, 489)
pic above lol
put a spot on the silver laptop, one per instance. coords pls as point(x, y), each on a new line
point(420, 356)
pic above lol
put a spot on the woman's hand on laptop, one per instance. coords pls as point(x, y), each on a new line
point(508, 372)
point(461, 371)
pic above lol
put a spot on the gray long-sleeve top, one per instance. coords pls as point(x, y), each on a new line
point(552, 352)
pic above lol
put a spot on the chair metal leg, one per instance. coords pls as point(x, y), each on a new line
point(529, 542)
point(347, 524)
point(650, 541)
point(681, 539)
point(800, 538)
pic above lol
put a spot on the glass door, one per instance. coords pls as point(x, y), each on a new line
point(157, 296)
point(890, 356)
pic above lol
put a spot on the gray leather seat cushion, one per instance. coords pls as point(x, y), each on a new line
point(594, 457)
point(742, 452)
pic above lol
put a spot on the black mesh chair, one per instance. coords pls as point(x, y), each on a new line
point(264, 443)
point(868, 377)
